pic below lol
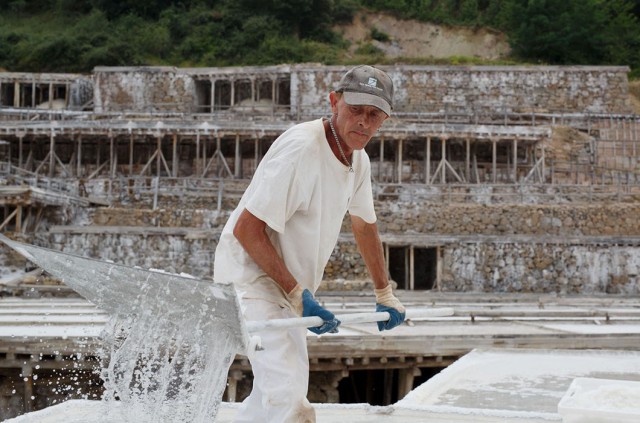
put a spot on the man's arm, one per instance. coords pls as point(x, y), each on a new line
point(250, 232)
point(368, 240)
point(370, 247)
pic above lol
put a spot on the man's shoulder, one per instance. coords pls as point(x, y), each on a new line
point(309, 128)
point(299, 138)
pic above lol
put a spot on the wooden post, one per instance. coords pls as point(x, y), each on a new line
point(20, 138)
point(406, 378)
point(112, 162)
point(198, 164)
point(158, 155)
point(232, 385)
point(388, 386)
point(204, 156)
point(130, 154)
point(232, 101)
point(237, 171)
point(52, 158)
point(16, 94)
point(399, 160)
point(213, 95)
point(27, 375)
point(19, 218)
point(444, 158)
point(428, 159)
point(174, 158)
point(468, 161)
point(494, 159)
point(79, 158)
point(412, 275)
point(256, 154)
point(438, 268)
point(381, 160)
point(515, 160)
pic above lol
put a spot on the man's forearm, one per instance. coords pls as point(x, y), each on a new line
point(368, 241)
point(250, 232)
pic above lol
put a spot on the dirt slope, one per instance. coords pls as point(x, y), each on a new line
point(413, 39)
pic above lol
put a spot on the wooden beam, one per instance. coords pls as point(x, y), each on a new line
point(237, 168)
point(427, 159)
point(515, 160)
point(399, 159)
point(494, 159)
point(174, 159)
point(52, 162)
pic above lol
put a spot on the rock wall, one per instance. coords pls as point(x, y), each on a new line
point(418, 89)
point(563, 220)
point(579, 248)
point(146, 90)
point(541, 268)
point(517, 89)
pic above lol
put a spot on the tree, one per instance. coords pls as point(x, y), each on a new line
point(561, 31)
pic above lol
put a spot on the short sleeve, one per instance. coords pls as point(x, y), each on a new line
point(362, 202)
point(275, 197)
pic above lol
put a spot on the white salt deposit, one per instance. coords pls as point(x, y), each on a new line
point(519, 380)
point(601, 400)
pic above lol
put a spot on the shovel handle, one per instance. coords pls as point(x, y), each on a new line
point(314, 321)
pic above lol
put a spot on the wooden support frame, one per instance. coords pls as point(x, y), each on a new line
point(220, 160)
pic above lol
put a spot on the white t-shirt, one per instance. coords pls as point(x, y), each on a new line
point(302, 192)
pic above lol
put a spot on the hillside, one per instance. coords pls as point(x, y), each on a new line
point(78, 35)
point(398, 38)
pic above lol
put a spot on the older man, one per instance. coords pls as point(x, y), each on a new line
point(279, 239)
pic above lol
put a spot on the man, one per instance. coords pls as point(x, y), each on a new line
point(278, 241)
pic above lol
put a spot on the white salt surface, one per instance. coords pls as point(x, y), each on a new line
point(521, 381)
point(601, 401)
point(85, 411)
point(595, 329)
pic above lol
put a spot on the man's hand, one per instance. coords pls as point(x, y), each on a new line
point(386, 301)
point(304, 303)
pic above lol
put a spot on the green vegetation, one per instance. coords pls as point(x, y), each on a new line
point(77, 35)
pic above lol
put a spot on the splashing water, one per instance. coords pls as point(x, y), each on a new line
point(159, 381)
point(169, 342)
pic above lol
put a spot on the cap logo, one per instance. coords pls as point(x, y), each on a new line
point(371, 83)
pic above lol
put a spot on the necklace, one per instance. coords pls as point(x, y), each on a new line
point(335, 136)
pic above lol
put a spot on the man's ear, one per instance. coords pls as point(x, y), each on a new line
point(333, 100)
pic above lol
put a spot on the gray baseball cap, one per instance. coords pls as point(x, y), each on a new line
point(367, 86)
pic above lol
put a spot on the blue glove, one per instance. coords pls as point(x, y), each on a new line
point(395, 318)
point(386, 301)
point(310, 307)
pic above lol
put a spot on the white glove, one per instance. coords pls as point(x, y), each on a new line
point(386, 301)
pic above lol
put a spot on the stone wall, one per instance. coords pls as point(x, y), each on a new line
point(520, 89)
point(145, 90)
point(563, 220)
point(564, 248)
point(419, 89)
point(486, 89)
point(541, 268)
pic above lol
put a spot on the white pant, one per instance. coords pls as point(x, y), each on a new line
point(280, 371)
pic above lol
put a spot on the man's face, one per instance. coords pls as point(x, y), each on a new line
point(355, 124)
